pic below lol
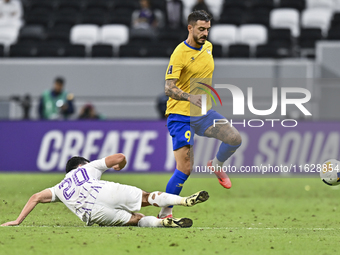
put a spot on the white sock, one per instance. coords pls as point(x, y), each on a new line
point(163, 199)
point(216, 162)
point(149, 222)
point(165, 211)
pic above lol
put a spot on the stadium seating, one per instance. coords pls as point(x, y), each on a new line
point(280, 40)
point(252, 35)
point(335, 20)
point(160, 5)
point(142, 35)
point(98, 6)
point(242, 4)
point(160, 50)
point(293, 4)
point(89, 18)
point(233, 16)
point(263, 5)
point(115, 35)
point(309, 36)
point(267, 51)
point(23, 50)
point(280, 35)
point(146, 49)
point(102, 51)
point(123, 4)
point(57, 22)
point(44, 49)
point(69, 7)
point(215, 6)
point(42, 19)
point(40, 7)
point(57, 36)
point(120, 19)
point(334, 34)
point(239, 51)
point(258, 16)
point(77, 51)
point(173, 36)
point(48, 50)
point(32, 34)
point(65, 21)
point(2, 50)
point(337, 5)
point(317, 18)
point(223, 35)
point(218, 51)
point(86, 35)
point(187, 6)
point(8, 36)
point(131, 50)
point(286, 18)
point(121, 15)
point(328, 4)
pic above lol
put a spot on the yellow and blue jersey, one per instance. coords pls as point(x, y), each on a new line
point(190, 65)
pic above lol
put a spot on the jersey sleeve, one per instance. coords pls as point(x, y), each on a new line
point(175, 66)
point(54, 196)
point(99, 165)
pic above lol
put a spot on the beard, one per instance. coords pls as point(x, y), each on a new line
point(196, 39)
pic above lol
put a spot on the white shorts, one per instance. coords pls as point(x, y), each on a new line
point(115, 203)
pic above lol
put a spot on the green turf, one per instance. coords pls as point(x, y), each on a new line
point(257, 216)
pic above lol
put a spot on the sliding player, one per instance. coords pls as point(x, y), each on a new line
point(192, 61)
point(107, 203)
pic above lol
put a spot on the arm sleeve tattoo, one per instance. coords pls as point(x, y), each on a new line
point(171, 90)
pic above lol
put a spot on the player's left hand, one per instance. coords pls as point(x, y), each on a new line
point(10, 223)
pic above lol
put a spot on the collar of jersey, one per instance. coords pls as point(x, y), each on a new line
point(193, 47)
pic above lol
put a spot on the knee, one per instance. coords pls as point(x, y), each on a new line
point(236, 140)
point(233, 139)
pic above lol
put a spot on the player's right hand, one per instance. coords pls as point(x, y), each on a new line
point(116, 167)
point(196, 100)
point(10, 223)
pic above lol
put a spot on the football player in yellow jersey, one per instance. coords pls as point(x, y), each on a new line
point(192, 61)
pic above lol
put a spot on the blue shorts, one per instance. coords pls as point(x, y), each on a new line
point(182, 128)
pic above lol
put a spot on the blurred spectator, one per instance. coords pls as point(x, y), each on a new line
point(10, 13)
point(161, 105)
point(88, 112)
point(145, 17)
point(56, 103)
point(174, 13)
point(25, 103)
point(201, 5)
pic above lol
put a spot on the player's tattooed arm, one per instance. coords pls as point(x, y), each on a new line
point(171, 90)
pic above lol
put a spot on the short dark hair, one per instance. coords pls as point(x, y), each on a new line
point(59, 80)
point(74, 162)
point(198, 15)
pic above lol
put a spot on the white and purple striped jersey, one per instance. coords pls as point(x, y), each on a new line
point(80, 187)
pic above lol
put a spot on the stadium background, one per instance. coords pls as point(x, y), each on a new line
point(260, 44)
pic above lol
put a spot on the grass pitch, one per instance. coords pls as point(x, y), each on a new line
point(256, 216)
